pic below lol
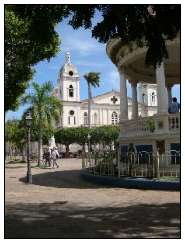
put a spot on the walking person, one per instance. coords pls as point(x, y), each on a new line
point(54, 156)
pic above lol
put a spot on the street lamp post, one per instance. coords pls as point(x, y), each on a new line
point(28, 123)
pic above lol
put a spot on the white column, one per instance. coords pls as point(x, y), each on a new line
point(162, 95)
point(99, 116)
point(123, 98)
point(107, 116)
point(169, 89)
point(134, 100)
point(102, 117)
point(78, 91)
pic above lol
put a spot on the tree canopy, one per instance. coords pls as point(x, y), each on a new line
point(93, 78)
point(30, 34)
point(15, 133)
point(30, 37)
point(149, 25)
point(46, 109)
point(104, 134)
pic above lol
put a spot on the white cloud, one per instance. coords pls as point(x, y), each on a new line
point(82, 45)
point(113, 79)
point(90, 64)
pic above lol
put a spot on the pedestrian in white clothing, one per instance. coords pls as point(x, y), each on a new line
point(54, 156)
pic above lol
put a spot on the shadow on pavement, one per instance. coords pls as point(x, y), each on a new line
point(62, 220)
point(15, 167)
point(62, 179)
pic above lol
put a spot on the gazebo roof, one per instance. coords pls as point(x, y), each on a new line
point(131, 59)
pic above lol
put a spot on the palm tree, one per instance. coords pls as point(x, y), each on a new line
point(93, 79)
point(45, 108)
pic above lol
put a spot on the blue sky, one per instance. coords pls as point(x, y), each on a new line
point(88, 55)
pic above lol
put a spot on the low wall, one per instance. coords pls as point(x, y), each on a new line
point(127, 182)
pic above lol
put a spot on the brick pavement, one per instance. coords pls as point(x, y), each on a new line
point(60, 204)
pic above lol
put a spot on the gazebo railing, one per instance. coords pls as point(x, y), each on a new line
point(144, 164)
point(146, 126)
point(141, 164)
point(101, 163)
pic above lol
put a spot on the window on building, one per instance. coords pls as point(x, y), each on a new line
point(114, 118)
point(71, 117)
point(143, 98)
point(153, 97)
point(71, 113)
point(71, 91)
point(85, 118)
point(71, 73)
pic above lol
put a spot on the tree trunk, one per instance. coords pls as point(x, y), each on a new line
point(23, 154)
point(67, 151)
point(83, 156)
point(83, 147)
point(89, 104)
point(40, 148)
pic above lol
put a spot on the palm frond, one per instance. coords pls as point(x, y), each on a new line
point(93, 79)
point(46, 108)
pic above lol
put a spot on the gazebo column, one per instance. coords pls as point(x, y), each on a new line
point(169, 89)
point(123, 98)
point(161, 90)
point(134, 100)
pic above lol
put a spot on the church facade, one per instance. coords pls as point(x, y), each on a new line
point(105, 108)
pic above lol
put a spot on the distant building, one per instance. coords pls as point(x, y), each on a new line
point(105, 108)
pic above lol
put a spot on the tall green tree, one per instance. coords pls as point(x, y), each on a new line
point(82, 138)
point(106, 135)
point(66, 136)
point(30, 37)
point(46, 110)
point(14, 135)
point(93, 79)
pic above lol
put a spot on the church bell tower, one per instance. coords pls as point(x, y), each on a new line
point(69, 81)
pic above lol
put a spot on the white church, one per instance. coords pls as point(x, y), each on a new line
point(105, 108)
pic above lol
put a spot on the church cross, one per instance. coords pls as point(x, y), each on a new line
point(114, 99)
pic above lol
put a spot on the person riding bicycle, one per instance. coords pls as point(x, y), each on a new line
point(47, 158)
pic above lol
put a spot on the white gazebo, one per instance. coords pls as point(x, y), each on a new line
point(162, 128)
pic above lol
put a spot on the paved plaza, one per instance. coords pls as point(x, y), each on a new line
point(60, 204)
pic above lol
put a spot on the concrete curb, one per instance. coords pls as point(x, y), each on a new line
point(127, 182)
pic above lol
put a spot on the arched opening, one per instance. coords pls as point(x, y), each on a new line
point(114, 118)
point(71, 118)
point(153, 97)
point(71, 73)
point(85, 118)
point(71, 91)
point(144, 98)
